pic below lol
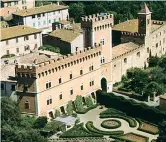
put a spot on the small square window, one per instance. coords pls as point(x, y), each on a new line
point(13, 88)
point(71, 92)
point(60, 96)
point(60, 80)
point(81, 72)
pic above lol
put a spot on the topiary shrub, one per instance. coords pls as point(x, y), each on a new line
point(57, 113)
point(78, 103)
point(40, 122)
point(89, 101)
point(69, 108)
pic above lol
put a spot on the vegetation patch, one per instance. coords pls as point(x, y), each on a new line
point(8, 56)
point(50, 48)
point(91, 128)
point(113, 113)
point(79, 131)
point(111, 124)
point(130, 137)
point(147, 127)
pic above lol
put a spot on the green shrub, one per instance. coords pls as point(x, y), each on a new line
point(57, 113)
point(111, 127)
point(40, 122)
point(87, 109)
point(78, 103)
point(50, 48)
point(89, 101)
point(78, 131)
point(8, 56)
point(69, 108)
point(91, 128)
point(74, 114)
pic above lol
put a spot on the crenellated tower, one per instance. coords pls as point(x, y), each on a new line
point(97, 28)
point(144, 20)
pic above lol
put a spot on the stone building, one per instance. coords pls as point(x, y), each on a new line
point(163, 102)
point(43, 87)
point(19, 40)
point(134, 40)
point(41, 17)
point(19, 4)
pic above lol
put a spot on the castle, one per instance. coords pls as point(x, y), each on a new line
point(43, 87)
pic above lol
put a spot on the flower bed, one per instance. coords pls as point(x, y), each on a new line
point(131, 121)
point(147, 127)
point(111, 124)
point(91, 128)
point(134, 137)
point(78, 131)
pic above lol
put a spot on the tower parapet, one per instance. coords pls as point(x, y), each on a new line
point(133, 34)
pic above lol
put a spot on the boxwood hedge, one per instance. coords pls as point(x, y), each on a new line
point(111, 127)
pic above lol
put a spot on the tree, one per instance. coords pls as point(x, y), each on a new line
point(76, 11)
point(40, 122)
point(10, 112)
point(89, 101)
point(69, 108)
point(151, 88)
point(78, 103)
point(162, 132)
point(162, 63)
point(153, 61)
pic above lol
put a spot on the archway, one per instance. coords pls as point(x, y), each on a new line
point(104, 84)
point(51, 115)
point(83, 101)
point(62, 110)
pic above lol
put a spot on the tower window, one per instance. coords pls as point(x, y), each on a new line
point(71, 91)
point(27, 105)
point(60, 97)
point(125, 60)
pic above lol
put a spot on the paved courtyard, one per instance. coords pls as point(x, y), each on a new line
point(93, 115)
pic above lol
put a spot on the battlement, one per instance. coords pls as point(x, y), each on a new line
point(26, 71)
point(133, 34)
point(157, 22)
point(127, 52)
point(96, 20)
point(69, 60)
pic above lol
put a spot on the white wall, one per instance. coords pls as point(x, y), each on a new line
point(12, 45)
point(78, 42)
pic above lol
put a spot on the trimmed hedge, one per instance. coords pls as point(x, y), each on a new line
point(111, 127)
point(131, 108)
point(131, 121)
point(143, 130)
point(8, 56)
point(79, 131)
point(91, 128)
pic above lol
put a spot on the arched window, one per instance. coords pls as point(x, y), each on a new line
point(27, 104)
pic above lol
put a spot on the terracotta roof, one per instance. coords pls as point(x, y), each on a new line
point(123, 48)
point(163, 96)
point(64, 22)
point(16, 31)
point(132, 26)
point(41, 9)
point(144, 10)
point(6, 71)
point(65, 35)
point(7, 10)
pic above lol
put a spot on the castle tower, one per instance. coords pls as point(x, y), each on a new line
point(97, 28)
point(144, 20)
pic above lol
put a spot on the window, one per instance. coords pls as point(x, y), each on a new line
point(2, 86)
point(148, 50)
point(91, 83)
point(27, 104)
point(59, 11)
point(38, 15)
point(48, 84)
point(26, 48)
point(33, 16)
point(26, 87)
point(91, 67)
point(60, 80)
point(71, 76)
point(125, 60)
point(160, 42)
point(60, 97)
point(138, 54)
point(49, 100)
point(71, 91)
point(39, 24)
point(49, 21)
point(102, 41)
point(81, 72)
point(26, 38)
point(156, 44)
point(7, 42)
point(13, 88)
point(82, 87)
point(16, 40)
point(17, 50)
point(102, 60)
point(35, 36)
